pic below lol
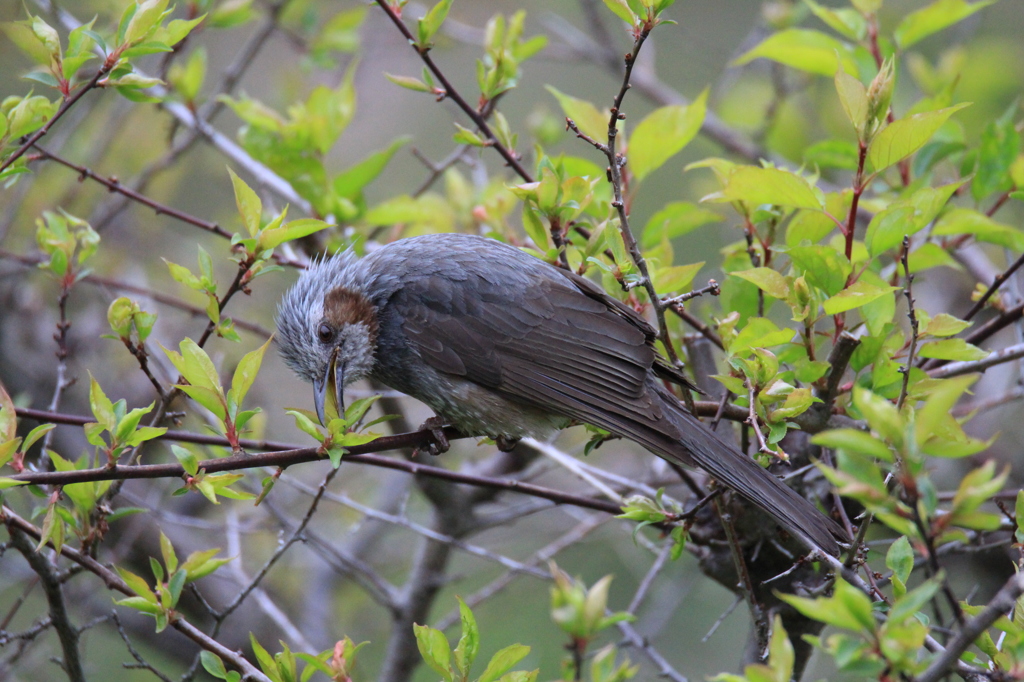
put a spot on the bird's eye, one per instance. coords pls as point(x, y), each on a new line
point(325, 333)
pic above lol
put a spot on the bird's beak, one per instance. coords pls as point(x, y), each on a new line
point(321, 386)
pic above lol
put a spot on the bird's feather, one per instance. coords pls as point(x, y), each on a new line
point(551, 340)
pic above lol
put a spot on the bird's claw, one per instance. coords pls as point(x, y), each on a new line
point(506, 443)
point(438, 443)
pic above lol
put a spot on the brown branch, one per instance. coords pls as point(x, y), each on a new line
point(114, 185)
point(914, 330)
point(453, 94)
point(998, 357)
point(67, 633)
point(998, 282)
point(108, 64)
point(287, 456)
point(1004, 600)
point(839, 360)
point(114, 582)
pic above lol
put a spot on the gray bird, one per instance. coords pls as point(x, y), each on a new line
point(499, 343)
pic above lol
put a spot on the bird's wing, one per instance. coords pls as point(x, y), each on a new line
point(549, 341)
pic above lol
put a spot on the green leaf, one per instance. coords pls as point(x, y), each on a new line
point(430, 23)
point(945, 324)
point(197, 367)
point(952, 349)
point(846, 21)
point(179, 273)
point(823, 266)
point(137, 585)
point(900, 559)
point(622, 11)
point(248, 202)
point(409, 83)
point(854, 98)
point(296, 229)
point(852, 440)
point(213, 665)
point(760, 332)
point(147, 15)
point(854, 296)
point(674, 220)
point(909, 604)
point(811, 51)
point(676, 277)
point(188, 459)
point(464, 135)
point(907, 217)
point(350, 183)
point(503, 661)
point(942, 397)
point(880, 414)
point(585, 115)
point(25, 39)
point(663, 134)
point(469, 643)
point(999, 149)
point(902, 138)
point(1019, 513)
point(245, 372)
point(983, 228)
point(434, 649)
point(847, 609)
point(918, 25)
point(101, 406)
point(755, 186)
point(8, 417)
point(177, 30)
point(767, 280)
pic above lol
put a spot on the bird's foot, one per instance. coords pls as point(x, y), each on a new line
point(506, 443)
point(438, 443)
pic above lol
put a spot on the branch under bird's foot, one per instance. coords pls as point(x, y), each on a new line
point(438, 443)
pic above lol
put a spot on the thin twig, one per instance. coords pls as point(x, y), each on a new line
point(999, 357)
point(912, 314)
point(108, 64)
point(450, 92)
point(1004, 600)
point(67, 633)
point(114, 185)
point(746, 585)
point(61, 337)
point(114, 582)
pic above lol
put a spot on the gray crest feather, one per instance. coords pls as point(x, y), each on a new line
point(302, 308)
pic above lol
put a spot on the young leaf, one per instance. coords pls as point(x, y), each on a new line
point(430, 23)
point(469, 643)
point(918, 25)
point(854, 296)
point(249, 205)
point(663, 134)
point(811, 51)
point(245, 373)
point(767, 280)
point(588, 118)
point(434, 649)
point(902, 138)
point(755, 186)
point(503, 661)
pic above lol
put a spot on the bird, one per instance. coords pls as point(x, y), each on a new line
point(502, 344)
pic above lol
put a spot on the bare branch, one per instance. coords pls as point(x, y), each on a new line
point(1000, 604)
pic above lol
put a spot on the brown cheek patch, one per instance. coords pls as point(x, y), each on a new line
point(344, 306)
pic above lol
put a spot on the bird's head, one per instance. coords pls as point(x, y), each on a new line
point(328, 329)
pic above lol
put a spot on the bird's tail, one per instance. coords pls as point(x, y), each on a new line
point(697, 444)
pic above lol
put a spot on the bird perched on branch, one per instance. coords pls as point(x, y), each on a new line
point(499, 343)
